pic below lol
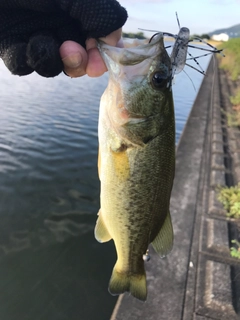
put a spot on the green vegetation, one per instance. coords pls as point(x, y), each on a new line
point(235, 252)
point(233, 118)
point(230, 198)
point(203, 36)
point(235, 100)
point(231, 61)
point(138, 35)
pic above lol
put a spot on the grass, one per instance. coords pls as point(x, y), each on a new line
point(233, 118)
point(235, 252)
point(231, 61)
point(230, 198)
point(235, 100)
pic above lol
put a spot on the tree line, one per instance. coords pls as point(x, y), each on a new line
point(140, 35)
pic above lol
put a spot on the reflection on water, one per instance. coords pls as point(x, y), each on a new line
point(51, 267)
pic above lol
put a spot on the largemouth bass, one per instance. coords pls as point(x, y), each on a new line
point(136, 160)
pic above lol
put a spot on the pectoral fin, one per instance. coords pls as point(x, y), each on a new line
point(101, 232)
point(163, 242)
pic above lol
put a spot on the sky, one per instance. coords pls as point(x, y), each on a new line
point(199, 16)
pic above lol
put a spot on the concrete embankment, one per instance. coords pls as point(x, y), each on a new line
point(199, 279)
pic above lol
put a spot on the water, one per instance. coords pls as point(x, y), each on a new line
point(51, 267)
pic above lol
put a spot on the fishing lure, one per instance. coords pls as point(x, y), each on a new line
point(179, 54)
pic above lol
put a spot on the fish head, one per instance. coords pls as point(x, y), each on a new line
point(139, 78)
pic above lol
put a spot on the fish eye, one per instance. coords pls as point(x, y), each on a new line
point(158, 80)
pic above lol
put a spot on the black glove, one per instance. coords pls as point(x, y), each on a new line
point(31, 31)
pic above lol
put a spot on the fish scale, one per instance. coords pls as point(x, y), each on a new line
point(136, 160)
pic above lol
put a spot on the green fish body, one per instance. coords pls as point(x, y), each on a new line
point(136, 160)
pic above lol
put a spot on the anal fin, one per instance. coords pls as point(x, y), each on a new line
point(163, 242)
point(101, 232)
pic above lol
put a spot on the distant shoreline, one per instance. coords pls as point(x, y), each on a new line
point(171, 39)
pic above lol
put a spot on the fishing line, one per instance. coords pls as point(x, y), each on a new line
point(190, 79)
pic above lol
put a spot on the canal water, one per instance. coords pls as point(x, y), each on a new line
point(51, 266)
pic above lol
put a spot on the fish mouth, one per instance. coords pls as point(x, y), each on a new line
point(134, 62)
point(134, 53)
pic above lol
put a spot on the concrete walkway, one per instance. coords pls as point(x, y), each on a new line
point(198, 280)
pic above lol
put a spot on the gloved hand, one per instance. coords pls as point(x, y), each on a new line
point(32, 31)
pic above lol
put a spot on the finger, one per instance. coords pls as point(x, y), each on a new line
point(43, 55)
point(14, 58)
point(74, 58)
point(96, 66)
point(113, 38)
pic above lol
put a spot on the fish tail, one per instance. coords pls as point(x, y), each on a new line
point(121, 282)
